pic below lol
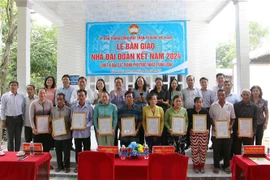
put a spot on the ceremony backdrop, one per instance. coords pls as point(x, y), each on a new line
point(131, 48)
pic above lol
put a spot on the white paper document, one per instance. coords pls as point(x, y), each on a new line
point(245, 127)
point(222, 129)
point(105, 126)
point(59, 126)
point(153, 125)
point(42, 123)
point(199, 123)
point(128, 126)
point(78, 121)
point(178, 125)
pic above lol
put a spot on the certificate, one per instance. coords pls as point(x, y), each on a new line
point(222, 129)
point(178, 125)
point(153, 126)
point(128, 126)
point(78, 121)
point(42, 124)
point(199, 123)
point(244, 127)
point(105, 125)
point(59, 126)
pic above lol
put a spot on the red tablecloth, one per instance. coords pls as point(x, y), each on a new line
point(28, 169)
point(251, 170)
point(131, 168)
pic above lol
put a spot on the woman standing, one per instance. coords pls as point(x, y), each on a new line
point(152, 111)
point(174, 90)
point(178, 141)
point(163, 102)
point(49, 85)
point(41, 107)
point(102, 109)
point(100, 87)
point(262, 113)
point(141, 92)
point(199, 141)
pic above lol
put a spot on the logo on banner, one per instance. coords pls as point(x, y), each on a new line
point(134, 29)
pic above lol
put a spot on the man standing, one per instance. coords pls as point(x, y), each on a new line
point(130, 110)
point(11, 114)
point(189, 94)
point(222, 110)
point(244, 109)
point(28, 134)
point(82, 81)
point(62, 142)
point(82, 137)
point(230, 96)
point(220, 78)
point(65, 89)
point(208, 95)
point(117, 97)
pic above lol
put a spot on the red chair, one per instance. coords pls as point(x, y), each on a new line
point(167, 167)
point(95, 165)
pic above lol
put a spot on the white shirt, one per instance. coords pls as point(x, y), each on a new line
point(12, 105)
point(89, 98)
point(217, 112)
point(189, 95)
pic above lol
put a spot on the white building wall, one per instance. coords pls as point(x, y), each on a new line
point(71, 55)
point(258, 76)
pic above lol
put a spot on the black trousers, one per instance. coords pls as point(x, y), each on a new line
point(237, 145)
point(14, 130)
point(259, 134)
point(164, 137)
point(28, 134)
point(60, 147)
point(116, 137)
point(222, 145)
point(45, 140)
point(79, 142)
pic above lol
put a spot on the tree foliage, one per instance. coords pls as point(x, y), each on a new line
point(43, 54)
point(226, 52)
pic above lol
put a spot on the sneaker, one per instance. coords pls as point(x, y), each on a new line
point(202, 170)
point(67, 170)
point(196, 170)
point(211, 147)
point(76, 170)
point(227, 170)
point(58, 169)
point(216, 170)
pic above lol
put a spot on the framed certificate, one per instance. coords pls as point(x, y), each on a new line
point(153, 126)
point(59, 126)
point(105, 125)
point(178, 125)
point(244, 127)
point(199, 123)
point(128, 126)
point(222, 129)
point(78, 121)
point(42, 124)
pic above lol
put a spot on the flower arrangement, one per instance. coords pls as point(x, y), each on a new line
point(134, 149)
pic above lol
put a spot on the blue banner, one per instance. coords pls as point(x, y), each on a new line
point(130, 48)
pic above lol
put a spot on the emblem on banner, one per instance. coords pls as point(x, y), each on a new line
point(134, 29)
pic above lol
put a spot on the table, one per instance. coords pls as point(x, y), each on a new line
point(35, 167)
point(131, 168)
point(251, 170)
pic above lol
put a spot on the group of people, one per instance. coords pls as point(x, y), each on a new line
point(218, 103)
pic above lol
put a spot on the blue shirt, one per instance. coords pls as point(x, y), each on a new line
point(67, 91)
point(233, 98)
point(89, 112)
point(118, 100)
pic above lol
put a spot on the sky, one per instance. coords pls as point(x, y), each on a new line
point(224, 23)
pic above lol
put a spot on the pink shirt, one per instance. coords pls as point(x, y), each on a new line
point(50, 94)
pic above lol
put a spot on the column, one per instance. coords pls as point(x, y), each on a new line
point(242, 46)
point(23, 50)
